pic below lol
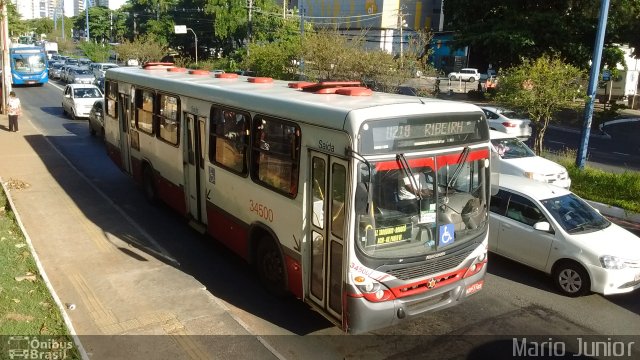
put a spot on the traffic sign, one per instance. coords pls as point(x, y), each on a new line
point(606, 75)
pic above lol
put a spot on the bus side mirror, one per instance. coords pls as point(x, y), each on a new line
point(362, 199)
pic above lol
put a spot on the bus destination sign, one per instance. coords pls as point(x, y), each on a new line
point(431, 129)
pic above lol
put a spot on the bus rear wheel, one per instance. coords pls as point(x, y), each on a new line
point(270, 267)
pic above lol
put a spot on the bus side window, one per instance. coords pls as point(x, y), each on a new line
point(228, 139)
point(144, 110)
point(276, 153)
point(168, 117)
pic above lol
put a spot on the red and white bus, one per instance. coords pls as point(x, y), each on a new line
point(371, 207)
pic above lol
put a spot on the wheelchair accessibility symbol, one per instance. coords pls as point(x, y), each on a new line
point(447, 233)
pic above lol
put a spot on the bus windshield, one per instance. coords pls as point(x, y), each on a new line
point(28, 63)
point(422, 205)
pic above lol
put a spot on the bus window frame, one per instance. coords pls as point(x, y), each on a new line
point(214, 135)
point(158, 116)
point(111, 95)
point(139, 92)
point(257, 151)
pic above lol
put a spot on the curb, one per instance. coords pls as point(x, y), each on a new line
point(616, 212)
point(43, 274)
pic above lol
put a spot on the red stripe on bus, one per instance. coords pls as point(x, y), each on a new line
point(231, 233)
point(294, 274)
point(171, 194)
point(443, 160)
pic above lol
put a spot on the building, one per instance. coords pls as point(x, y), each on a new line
point(33, 9)
point(111, 4)
point(389, 24)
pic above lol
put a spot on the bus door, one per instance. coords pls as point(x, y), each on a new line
point(194, 166)
point(124, 117)
point(327, 226)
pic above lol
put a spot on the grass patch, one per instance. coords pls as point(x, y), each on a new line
point(26, 306)
point(619, 190)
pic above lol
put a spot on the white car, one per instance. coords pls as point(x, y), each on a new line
point(507, 121)
point(553, 230)
point(515, 158)
point(466, 74)
point(77, 99)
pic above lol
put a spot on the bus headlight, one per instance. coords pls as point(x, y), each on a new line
point(371, 289)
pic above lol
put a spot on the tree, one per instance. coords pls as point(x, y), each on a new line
point(144, 49)
point(540, 87)
point(17, 27)
point(503, 32)
point(99, 23)
point(95, 51)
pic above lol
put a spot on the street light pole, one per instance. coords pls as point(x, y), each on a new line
point(196, 43)
point(182, 29)
point(581, 157)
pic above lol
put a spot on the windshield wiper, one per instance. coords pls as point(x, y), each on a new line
point(461, 161)
point(408, 173)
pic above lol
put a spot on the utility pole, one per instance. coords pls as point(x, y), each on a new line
point(301, 38)
point(110, 26)
point(593, 83)
point(6, 67)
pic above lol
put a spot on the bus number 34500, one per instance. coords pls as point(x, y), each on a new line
point(262, 211)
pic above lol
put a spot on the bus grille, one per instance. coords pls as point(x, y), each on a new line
point(429, 267)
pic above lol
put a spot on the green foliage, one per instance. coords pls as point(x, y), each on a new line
point(99, 23)
point(273, 59)
point(144, 49)
point(620, 190)
point(503, 32)
point(540, 87)
point(26, 306)
point(95, 52)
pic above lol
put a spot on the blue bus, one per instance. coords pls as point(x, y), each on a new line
point(28, 65)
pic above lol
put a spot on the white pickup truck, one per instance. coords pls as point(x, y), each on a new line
point(466, 74)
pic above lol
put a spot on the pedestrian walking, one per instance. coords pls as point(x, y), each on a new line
point(15, 110)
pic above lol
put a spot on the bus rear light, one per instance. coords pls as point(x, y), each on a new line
point(509, 124)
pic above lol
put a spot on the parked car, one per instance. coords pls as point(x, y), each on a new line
point(99, 69)
point(508, 121)
point(555, 231)
point(466, 74)
point(515, 158)
point(80, 76)
point(96, 118)
point(78, 99)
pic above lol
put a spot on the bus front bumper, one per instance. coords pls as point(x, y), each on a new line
point(366, 316)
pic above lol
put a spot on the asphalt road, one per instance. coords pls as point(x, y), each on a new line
point(516, 302)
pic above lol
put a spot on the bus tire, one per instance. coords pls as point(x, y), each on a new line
point(148, 185)
point(270, 267)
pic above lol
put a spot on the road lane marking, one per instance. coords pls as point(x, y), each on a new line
point(556, 142)
point(619, 153)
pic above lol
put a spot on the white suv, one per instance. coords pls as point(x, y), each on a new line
point(466, 74)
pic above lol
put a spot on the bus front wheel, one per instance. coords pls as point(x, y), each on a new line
point(270, 267)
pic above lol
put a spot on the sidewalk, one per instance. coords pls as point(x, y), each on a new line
point(83, 247)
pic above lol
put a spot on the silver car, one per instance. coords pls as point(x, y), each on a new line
point(81, 76)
